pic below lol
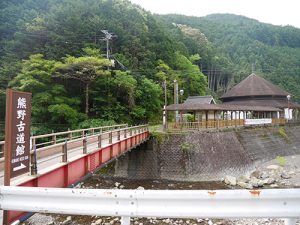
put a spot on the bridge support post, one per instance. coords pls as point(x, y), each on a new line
point(84, 145)
point(53, 138)
point(70, 134)
point(119, 135)
point(125, 220)
point(99, 141)
point(65, 152)
point(110, 137)
point(33, 159)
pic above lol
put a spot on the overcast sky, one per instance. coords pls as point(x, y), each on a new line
point(277, 12)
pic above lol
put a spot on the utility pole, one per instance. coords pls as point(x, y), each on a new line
point(107, 38)
point(165, 107)
point(176, 98)
point(253, 67)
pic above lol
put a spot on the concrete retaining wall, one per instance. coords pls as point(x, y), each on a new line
point(199, 156)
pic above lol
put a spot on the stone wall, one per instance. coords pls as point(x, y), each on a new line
point(196, 156)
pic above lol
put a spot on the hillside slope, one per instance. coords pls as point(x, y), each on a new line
point(275, 50)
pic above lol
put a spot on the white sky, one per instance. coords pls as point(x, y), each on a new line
point(277, 12)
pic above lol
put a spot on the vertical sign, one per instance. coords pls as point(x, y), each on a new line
point(17, 134)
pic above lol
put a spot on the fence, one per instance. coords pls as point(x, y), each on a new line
point(215, 124)
point(40, 141)
point(267, 203)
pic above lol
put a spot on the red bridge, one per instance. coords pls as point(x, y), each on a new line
point(65, 158)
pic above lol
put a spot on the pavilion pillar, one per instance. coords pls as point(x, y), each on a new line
point(235, 120)
point(206, 118)
point(214, 123)
point(218, 125)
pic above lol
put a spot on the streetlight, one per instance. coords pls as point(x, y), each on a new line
point(181, 92)
point(288, 100)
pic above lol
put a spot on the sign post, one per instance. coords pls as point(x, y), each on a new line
point(17, 135)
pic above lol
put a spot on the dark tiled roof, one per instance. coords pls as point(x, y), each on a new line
point(220, 107)
point(200, 100)
point(254, 85)
point(264, 102)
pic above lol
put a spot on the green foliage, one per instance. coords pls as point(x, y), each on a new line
point(281, 160)
point(190, 117)
point(185, 147)
point(160, 137)
point(50, 102)
point(52, 49)
point(283, 134)
point(95, 123)
point(234, 43)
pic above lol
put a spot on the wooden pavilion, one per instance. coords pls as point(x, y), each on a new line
point(254, 101)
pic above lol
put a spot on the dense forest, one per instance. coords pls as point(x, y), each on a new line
point(57, 49)
point(239, 42)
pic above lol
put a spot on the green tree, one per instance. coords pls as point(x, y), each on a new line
point(85, 69)
point(50, 103)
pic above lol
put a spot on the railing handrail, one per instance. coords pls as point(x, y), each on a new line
point(87, 137)
point(266, 203)
point(71, 131)
point(76, 131)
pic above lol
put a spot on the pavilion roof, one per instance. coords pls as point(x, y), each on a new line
point(220, 107)
point(208, 99)
point(254, 85)
point(277, 103)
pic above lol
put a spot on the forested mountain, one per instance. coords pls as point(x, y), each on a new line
point(240, 42)
point(56, 49)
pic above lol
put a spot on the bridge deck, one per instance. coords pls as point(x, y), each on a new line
point(65, 163)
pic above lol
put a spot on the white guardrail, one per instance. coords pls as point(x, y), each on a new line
point(267, 203)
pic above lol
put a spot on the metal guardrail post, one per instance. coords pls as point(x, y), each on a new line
point(130, 132)
point(99, 141)
point(125, 220)
point(290, 221)
point(110, 137)
point(83, 134)
point(125, 133)
point(84, 142)
point(65, 152)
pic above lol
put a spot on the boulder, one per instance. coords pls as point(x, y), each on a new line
point(256, 182)
point(285, 175)
point(255, 174)
point(244, 185)
point(243, 179)
point(230, 180)
point(273, 167)
point(269, 181)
